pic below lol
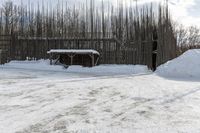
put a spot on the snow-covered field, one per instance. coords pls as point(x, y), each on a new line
point(38, 98)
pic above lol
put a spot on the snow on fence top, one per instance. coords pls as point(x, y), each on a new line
point(74, 51)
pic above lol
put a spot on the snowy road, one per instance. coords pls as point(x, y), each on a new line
point(50, 102)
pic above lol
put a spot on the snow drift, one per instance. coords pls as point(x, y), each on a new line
point(185, 66)
point(44, 65)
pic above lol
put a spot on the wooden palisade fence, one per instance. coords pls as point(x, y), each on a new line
point(129, 35)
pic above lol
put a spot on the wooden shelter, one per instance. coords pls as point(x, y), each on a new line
point(84, 57)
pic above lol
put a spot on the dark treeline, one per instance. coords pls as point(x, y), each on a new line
point(134, 27)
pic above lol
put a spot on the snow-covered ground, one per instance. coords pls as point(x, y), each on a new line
point(38, 98)
point(102, 70)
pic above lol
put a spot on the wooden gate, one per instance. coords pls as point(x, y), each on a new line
point(5, 45)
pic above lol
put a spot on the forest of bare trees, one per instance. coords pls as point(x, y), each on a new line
point(187, 38)
point(84, 20)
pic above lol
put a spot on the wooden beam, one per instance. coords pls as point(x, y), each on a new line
point(57, 59)
point(97, 61)
point(67, 39)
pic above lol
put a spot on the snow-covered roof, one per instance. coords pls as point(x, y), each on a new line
point(76, 51)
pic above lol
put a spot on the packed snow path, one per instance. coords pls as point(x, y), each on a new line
point(34, 101)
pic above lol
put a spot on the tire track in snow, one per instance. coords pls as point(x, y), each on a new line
point(180, 96)
point(87, 79)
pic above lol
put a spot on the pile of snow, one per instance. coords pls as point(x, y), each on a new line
point(41, 65)
point(185, 66)
point(44, 65)
point(110, 69)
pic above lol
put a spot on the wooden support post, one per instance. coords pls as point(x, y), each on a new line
point(72, 58)
point(51, 63)
point(92, 57)
point(1, 62)
point(92, 60)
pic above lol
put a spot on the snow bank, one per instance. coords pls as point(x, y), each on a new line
point(33, 65)
point(185, 66)
point(43, 65)
point(110, 69)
